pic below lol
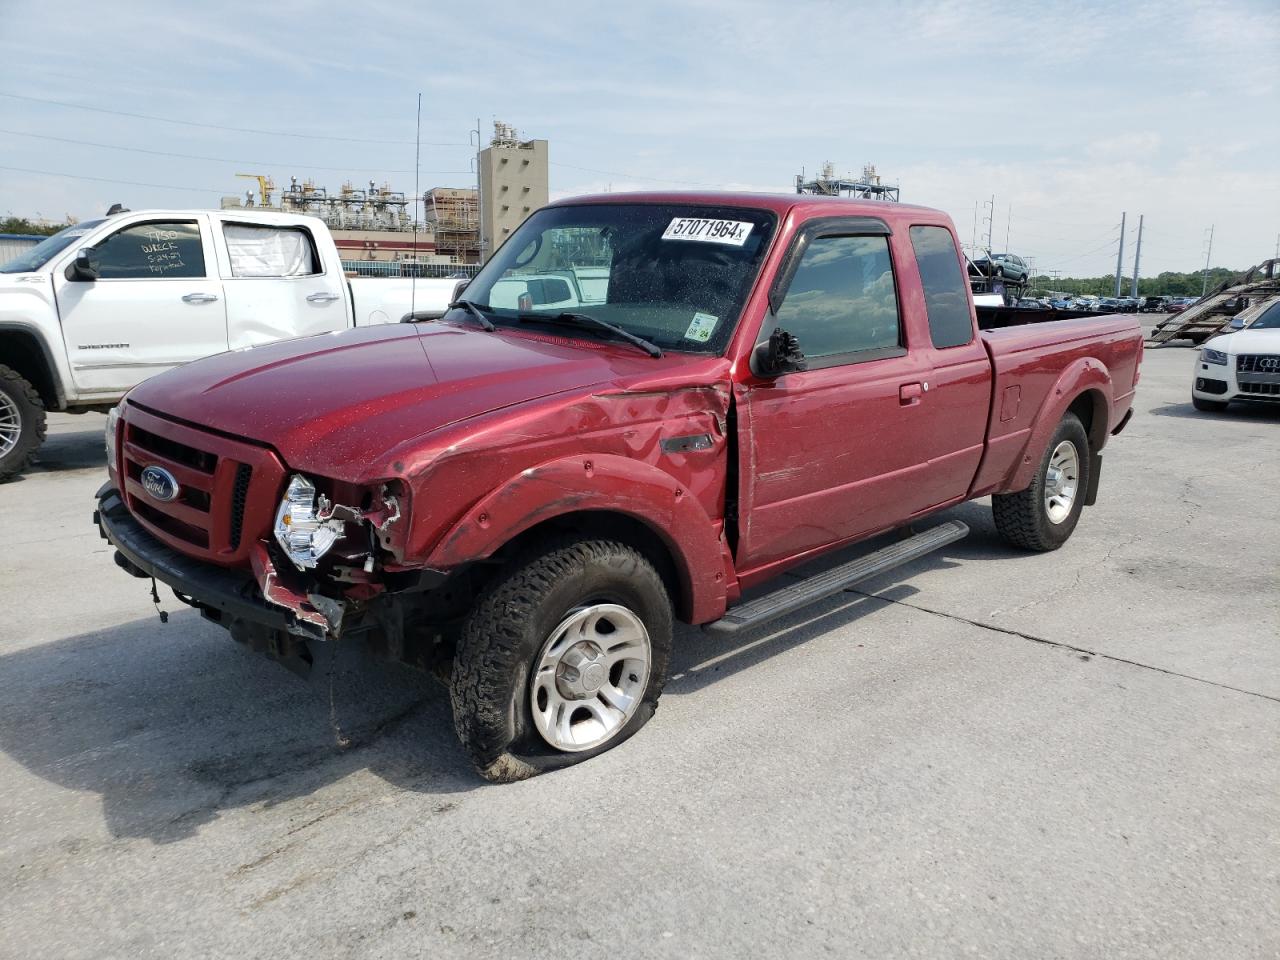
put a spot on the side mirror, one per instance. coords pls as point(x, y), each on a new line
point(778, 355)
point(85, 266)
point(457, 289)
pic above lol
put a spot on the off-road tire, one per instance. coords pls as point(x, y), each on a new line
point(1209, 406)
point(30, 407)
point(509, 623)
point(1022, 518)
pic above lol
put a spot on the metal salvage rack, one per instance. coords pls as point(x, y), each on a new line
point(1201, 320)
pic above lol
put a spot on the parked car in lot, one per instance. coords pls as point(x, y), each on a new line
point(1004, 265)
point(1243, 365)
point(102, 305)
point(1180, 304)
point(525, 498)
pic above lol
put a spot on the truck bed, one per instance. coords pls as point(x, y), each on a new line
point(1028, 364)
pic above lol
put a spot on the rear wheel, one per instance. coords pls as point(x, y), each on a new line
point(562, 658)
point(1208, 406)
point(1043, 516)
point(22, 422)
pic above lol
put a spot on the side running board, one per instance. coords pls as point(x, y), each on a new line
point(793, 596)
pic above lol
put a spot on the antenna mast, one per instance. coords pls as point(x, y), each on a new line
point(417, 158)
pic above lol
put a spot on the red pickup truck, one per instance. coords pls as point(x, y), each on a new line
point(642, 407)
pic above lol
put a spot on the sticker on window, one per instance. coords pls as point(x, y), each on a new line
point(704, 324)
point(734, 233)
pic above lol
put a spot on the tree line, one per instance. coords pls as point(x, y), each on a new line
point(30, 227)
point(1169, 283)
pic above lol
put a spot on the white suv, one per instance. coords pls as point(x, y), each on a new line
point(1244, 365)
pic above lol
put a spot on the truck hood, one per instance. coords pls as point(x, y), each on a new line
point(335, 403)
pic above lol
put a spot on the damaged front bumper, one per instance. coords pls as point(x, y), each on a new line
point(253, 606)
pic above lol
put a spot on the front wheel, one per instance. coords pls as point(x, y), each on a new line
point(1043, 516)
point(22, 422)
point(562, 658)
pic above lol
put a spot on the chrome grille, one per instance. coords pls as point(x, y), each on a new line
point(1258, 363)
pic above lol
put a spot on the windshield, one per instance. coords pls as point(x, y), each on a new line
point(1269, 320)
point(675, 274)
point(47, 249)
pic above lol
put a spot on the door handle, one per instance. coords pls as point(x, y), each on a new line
point(199, 298)
point(909, 394)
point(322, 297)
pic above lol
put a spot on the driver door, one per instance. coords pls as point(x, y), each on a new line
point(156, 304)
point(838, 450)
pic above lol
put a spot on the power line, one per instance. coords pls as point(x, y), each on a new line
point(194, 156)
point(128, 183)
point(212, 126)
point(1087, 253)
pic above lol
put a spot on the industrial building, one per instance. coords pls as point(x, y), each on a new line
point(453, 216)
point(514, 181)
point(374, 226)
point(868, 186)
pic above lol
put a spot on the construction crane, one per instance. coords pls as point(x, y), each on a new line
point(265, 186)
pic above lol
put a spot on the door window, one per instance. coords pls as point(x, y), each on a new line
point(841, 302)
point(150, 251)
point(946, 297)
point(261, 251)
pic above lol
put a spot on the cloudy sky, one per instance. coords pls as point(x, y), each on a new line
point(1068, 113)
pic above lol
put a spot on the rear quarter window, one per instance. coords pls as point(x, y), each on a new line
point(267, 251)
point(946, 294)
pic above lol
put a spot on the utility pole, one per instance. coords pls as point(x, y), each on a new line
point(1120, 255)
point(479, 199)
point(1137, 254)
point(1204, 283)
point(1008, 225)
point(973, 247)
point(989, 219)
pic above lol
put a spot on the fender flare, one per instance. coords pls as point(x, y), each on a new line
point(605, 483)
point(51, 366)
point(1084, 375)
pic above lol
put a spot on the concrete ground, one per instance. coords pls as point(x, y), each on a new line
point(991, 754)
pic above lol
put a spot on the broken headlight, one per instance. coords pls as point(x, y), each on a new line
point(305, 527)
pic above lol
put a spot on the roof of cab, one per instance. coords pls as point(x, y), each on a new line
point(234, 213)
point(779, 203)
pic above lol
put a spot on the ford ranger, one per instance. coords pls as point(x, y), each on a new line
point(104, 304)
point(525, 498)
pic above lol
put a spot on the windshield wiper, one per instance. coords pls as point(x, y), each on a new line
point(475, 312)
point(585, 319)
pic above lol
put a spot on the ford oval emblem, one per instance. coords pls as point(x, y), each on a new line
point(160, 484)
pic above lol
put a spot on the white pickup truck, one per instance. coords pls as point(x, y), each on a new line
point(97, 308)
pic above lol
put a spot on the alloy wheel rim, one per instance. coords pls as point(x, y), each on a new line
point(10, 425)
point(1062, 481)
point(590, 677)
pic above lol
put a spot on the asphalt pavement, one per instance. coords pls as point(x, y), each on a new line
point(989, 753)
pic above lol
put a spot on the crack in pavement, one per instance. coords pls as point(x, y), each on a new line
point(1064, 646)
